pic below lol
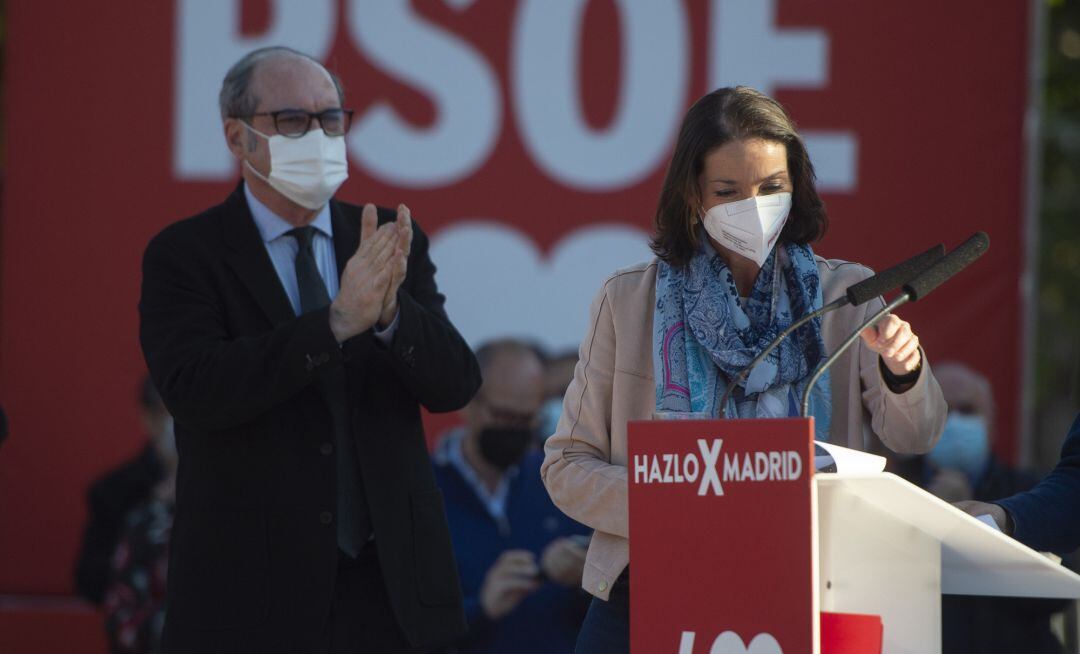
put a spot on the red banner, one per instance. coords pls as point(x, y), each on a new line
point(529, 138)
point(722, 537)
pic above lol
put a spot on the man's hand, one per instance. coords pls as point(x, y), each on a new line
point(359, 302)
point(398, 265)
point(898, 346)
point(562, 561)
point(982, 508)
point(511, 579)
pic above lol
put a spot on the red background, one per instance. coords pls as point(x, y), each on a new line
point(935, 93)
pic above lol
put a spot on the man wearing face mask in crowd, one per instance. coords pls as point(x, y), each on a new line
point(520, 558)
point(295, 338)
point(963, 467)
point(111, 498)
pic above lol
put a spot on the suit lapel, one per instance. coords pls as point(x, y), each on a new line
point(251, 262)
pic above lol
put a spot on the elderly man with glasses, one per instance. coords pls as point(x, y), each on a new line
point(294, 338)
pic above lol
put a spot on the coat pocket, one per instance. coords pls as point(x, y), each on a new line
point(436, 571)
point(218, 570)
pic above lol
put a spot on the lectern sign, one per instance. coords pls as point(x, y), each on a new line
point(721, 537)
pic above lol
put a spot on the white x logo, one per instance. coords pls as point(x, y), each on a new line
point(710, 457)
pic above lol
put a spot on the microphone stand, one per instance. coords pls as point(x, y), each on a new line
point(835, 304)
point(856, 295)
point(902, 299)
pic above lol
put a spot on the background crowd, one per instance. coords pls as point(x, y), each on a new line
point(520, 558)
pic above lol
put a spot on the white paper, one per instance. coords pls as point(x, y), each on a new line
point(989, 520)
point(849, 460)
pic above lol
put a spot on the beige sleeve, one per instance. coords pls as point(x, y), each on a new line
point(577, 469)
point(908, 422)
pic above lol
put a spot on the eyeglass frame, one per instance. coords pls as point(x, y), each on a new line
point(347, 115)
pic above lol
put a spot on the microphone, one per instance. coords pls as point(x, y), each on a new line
point(898, 275)
point(916, 289)
point(957, 260)
point(855, 295)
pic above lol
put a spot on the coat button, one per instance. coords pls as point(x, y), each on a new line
point(326, 517)
point(602, 586)
point(326, 449)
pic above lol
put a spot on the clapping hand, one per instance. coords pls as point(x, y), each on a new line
point(398, 264)
point(366, 278)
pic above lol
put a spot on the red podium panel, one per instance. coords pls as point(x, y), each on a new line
point(721, 537)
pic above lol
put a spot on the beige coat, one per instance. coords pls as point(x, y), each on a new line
point(585, 464)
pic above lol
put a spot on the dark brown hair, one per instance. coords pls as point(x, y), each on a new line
point(725, 115)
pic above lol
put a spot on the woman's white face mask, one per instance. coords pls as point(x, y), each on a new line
point(749, 227)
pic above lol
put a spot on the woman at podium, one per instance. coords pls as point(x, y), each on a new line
point(733, 268)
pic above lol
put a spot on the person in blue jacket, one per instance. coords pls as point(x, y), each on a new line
point(1047, 517)
point(519, 557)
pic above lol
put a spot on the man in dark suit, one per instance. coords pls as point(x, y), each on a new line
point(294, 338)
point(1047, 517)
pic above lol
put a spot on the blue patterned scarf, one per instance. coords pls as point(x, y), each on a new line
point(704, 335)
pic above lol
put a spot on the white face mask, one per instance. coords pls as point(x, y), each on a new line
point(749, 227)
point(308, 170)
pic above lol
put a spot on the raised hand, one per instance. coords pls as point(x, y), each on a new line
point(398, 264)
point(364, 282)
point(898, 346)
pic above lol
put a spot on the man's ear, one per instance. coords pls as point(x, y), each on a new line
point(234, 136)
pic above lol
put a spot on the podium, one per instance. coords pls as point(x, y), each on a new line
point(737, 546)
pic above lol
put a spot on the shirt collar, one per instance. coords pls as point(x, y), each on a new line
point(494, 501)
point(272, 226)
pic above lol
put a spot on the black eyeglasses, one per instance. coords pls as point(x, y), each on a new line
point(294, 123)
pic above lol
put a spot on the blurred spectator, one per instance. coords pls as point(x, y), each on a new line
point(558, 372)
point(520, 559)
point(135, 595)
point(963, 467)
point(113, 496)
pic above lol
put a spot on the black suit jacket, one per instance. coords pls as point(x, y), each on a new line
point(254, 549)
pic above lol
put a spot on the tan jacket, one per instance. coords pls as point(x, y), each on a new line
point(585, 459)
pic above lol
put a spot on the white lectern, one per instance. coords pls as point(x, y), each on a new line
point(889, 548)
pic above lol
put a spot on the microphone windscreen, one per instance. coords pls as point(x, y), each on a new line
point(894, 277)
point(952, 263)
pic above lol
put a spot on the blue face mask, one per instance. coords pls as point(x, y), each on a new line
point(549, 417)
point(964, 445)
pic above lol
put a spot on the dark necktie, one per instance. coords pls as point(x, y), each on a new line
point(313, 295)
point(353, 520)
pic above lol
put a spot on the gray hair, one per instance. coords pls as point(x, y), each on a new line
point(489, 351)
point(236, 99)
